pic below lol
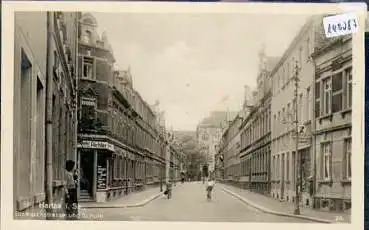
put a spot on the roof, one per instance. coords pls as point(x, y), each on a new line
point(311, 21)
point(218, 118)
point(272, 62)
point(184, 133)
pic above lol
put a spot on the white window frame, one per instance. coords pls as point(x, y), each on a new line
point(308, 112)
point(341, 91)
point(327, 160)
point(348, 155)
point(348, 72)
point(90, 76)
point(327, 94)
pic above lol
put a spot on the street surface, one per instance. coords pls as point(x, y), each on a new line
point(189, 203)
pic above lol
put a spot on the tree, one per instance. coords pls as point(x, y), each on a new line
point(194, 155)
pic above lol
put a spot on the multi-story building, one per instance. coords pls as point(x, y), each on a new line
point(333, 122)
point(209, 133)
point(121, 149)
point(44, 80)
point(256, 133)
point(295, 61)
point(230, 150)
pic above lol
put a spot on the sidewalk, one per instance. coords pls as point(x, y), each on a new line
point(134, 199)
point(277, 207)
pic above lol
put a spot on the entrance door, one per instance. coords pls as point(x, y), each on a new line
point(86, 180)
point(282, 179)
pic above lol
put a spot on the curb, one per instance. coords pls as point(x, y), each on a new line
point(274, 212)
point(140, 204)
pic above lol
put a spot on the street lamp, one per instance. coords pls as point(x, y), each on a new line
point(298, 156)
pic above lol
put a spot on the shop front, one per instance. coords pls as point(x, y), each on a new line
point(93, 162)
point(108, 171)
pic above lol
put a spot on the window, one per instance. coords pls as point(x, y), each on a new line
point(337, 91)
point(307, 49)
point(317, 99)
point(288, 166)
point(205, 136)
point(327, 96)
point(347, 159)
point(87, 37)
point(88, 108)
point(286, 73)
point(301, 114)
point(88, 64)
point(327, 155)
point(292, 65)
point(274, 168)
point(300, 55)
point(308, 112)
point(279, 121)
point(278, 169)
point(348, 74)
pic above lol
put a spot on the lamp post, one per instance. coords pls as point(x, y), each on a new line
point(298, 156)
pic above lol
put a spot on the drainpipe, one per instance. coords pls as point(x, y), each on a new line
point(49, 115)
point(313, 134)
point(76, 109)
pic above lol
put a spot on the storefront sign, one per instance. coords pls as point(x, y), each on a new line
point(101, 177)
point(96, 145)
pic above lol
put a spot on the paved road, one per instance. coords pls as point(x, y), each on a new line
point(189, 203)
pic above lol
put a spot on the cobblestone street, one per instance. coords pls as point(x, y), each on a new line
point(189, 204)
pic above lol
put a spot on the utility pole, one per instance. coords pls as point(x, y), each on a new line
point(49, 117)
point(298, 156)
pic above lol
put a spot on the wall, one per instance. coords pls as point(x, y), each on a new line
point(283, 104)
point(29, 104)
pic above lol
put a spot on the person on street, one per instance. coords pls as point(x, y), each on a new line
point(209, 187)
point(71, 200)
point(168, 190)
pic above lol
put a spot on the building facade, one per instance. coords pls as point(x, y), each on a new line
point(255, 149)
point(295, 61)
point(122, 148)
point(44, 104)
point(230, 150)
point(333, 123)
point(209, 133)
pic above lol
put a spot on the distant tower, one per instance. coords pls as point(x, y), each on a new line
point(88, 29)
point(262, 57)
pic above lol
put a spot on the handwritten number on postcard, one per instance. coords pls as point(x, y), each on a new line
point(341, 24)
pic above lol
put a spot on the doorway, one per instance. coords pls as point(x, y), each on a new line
point(87, 170)
point(282, 179)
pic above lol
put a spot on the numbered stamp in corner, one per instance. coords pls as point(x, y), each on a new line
point(341, 24)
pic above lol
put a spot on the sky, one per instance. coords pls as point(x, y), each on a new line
point(195, 63)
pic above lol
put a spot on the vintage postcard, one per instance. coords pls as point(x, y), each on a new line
point(228, 115)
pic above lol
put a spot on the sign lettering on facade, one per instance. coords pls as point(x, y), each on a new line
point(96, 145)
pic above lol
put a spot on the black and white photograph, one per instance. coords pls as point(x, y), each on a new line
point(184, 116)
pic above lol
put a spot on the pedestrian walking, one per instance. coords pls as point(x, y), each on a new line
point(71, 200)
point(209, 188)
